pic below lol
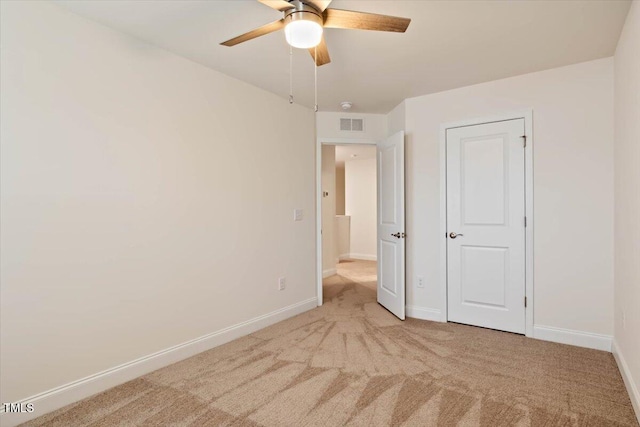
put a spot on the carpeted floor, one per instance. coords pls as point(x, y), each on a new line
point(350, 362)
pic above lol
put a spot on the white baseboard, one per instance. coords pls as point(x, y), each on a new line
point(72, 392)
point(329, 272)
point(571, 337)
point(631, 385)
point(343, 257)
point(424, 313)
point(363, 257)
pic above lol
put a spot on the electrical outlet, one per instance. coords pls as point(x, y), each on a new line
point(297, 215)
point(282, 284)
point(420, 282)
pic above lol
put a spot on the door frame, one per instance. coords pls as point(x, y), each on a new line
point(319, 143)
point(527, 115)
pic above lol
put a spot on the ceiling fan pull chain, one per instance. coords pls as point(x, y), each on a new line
point(290, 75)
point(315, 76)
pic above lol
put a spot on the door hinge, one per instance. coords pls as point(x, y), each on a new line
point(524, 139)
point(525, 222)
point(525, 302)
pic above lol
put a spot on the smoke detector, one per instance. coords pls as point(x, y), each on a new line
point(346, 105)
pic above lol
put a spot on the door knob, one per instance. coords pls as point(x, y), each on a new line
point(398, 235)
point(454, 235)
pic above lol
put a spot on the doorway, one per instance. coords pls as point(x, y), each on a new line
point(349, 207)
point(488, 224)
point(390, 219)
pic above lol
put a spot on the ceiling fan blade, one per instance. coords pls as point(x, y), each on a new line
point(280, 5)
point(349, 19)
point(321, 5)
point(265, 29)
point(323, 53)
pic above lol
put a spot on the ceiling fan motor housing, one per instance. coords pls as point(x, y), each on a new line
point(303, 12)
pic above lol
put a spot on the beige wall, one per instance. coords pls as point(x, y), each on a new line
point(329, 243)
point(139, 210)
point(627, 199)
point(343, 236)
point(573, 179)
point(340, 190)
point(360, 205)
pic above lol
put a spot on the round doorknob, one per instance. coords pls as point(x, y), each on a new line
point(454, 235)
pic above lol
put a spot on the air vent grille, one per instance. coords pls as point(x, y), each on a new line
point(352, 125)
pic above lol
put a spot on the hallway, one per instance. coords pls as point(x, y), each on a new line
point(348, 271)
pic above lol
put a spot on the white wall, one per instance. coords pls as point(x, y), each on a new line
point(328, 126)
point(329, 243)
point(396, 119)
point(360, 204)
point(573, 179)
point(139, 210)
point(627, 202)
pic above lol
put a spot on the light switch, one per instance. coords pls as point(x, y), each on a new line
point(297, 214)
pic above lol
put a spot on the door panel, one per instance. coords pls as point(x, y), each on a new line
point(388, 186)
point(485, 210)
point(389, 255)
point(391, 243)
point(483, 184)
point(483, 281)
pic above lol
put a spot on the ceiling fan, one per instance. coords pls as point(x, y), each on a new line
point(304, 21)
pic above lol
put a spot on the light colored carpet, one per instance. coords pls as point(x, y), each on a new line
point(350, 362)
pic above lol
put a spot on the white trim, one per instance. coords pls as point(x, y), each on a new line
point(319, 223)
point(571, 337)
point(364, 257)
point(632, 388)
point(74, 391)
point(443, 224)
point(320, 141)
point(527, 115)
point(343, 257)
point(329, 272)
point(528, 196)
point(346, 141)
point(423, 313)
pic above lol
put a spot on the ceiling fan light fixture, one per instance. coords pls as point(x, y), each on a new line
point(303, 30)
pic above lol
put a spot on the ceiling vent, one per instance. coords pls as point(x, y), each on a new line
point(352, 125)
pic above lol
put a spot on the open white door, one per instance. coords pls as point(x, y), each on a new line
point(391, 247)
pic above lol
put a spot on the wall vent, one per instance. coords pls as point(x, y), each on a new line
point(352, 125)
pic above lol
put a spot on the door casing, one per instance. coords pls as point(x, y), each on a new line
point(527, 115)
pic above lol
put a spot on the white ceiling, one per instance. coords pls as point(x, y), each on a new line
point(449, 44)
point(345, 153)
